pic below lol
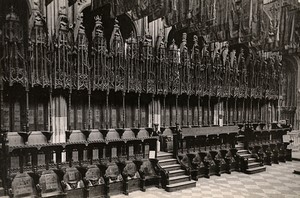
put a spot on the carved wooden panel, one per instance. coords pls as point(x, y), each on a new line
point(39, 65)
point(13, 60)
point(81, 65)
point(62, 53)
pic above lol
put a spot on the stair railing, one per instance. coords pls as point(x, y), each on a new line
point(176, 139)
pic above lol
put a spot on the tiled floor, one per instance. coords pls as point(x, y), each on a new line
point(277, 182)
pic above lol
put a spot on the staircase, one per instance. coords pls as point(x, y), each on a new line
point(178, 180)
point(252, 166)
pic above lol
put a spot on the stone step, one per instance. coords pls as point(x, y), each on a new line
point(239, 147)
point(178, 179)
point(175, 173)
point(245, 155)
point(253, 165)
point(171, 167)
point(255, 170)
point(251, 159)
point(164, 155)
point(168, 162)
point(180, 186)
point(242, 152)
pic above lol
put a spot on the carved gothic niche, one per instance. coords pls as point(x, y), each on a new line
point(99, 57)
point(263, 73)
point(133, 67)
point(148, 70)
point(39, 64)
point(117, 64)
point(234, 70)
point(13, 62)
point(206, 64)
point(82, 67)
point(198, 68)
point(63, 52)
point(242, 68)
point(174, 80)
point(277, 72)
point(217, 69)
point(256, 72)
point(250, 66)
point(288, 84)
point(185, 67)
point(161, 66)
point(226, 63)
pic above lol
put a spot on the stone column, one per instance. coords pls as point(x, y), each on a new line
point(59, 119)
point(297, 114)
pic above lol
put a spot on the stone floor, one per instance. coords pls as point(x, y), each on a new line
point(296, 155)
point(277, 182)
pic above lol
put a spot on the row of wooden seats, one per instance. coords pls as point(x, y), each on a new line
point(267, 145)
point(114, 164)
point(166, 136)
point(206, 164)
point(203, 155)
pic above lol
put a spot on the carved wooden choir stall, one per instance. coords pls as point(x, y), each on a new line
point(214, 115)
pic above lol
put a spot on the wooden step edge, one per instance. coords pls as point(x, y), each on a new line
point(181, 184)
point(170, 166)
point(160, 154)
point(167, 160)
point(176, 171)
point(255, 170)
point(253, 163)
point(178, 177)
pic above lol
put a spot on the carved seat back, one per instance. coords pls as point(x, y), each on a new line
point(95, 135)
point(166, 140)
point(213, 141)
point(186, 161)
point(50, 184)
point(188, 144)
point(224, 139)
point(93, 176)
point(198, 161)
point(23, 186)
point(202, 142)
point(143, 133)
point(147, 169)
point(131, 170)
point(113, 173)
point(112, 135)
point(73, 179)
point(128, 134)
point(232, 139)
point(208, 159)
point(256, 137)
point(265, 136)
